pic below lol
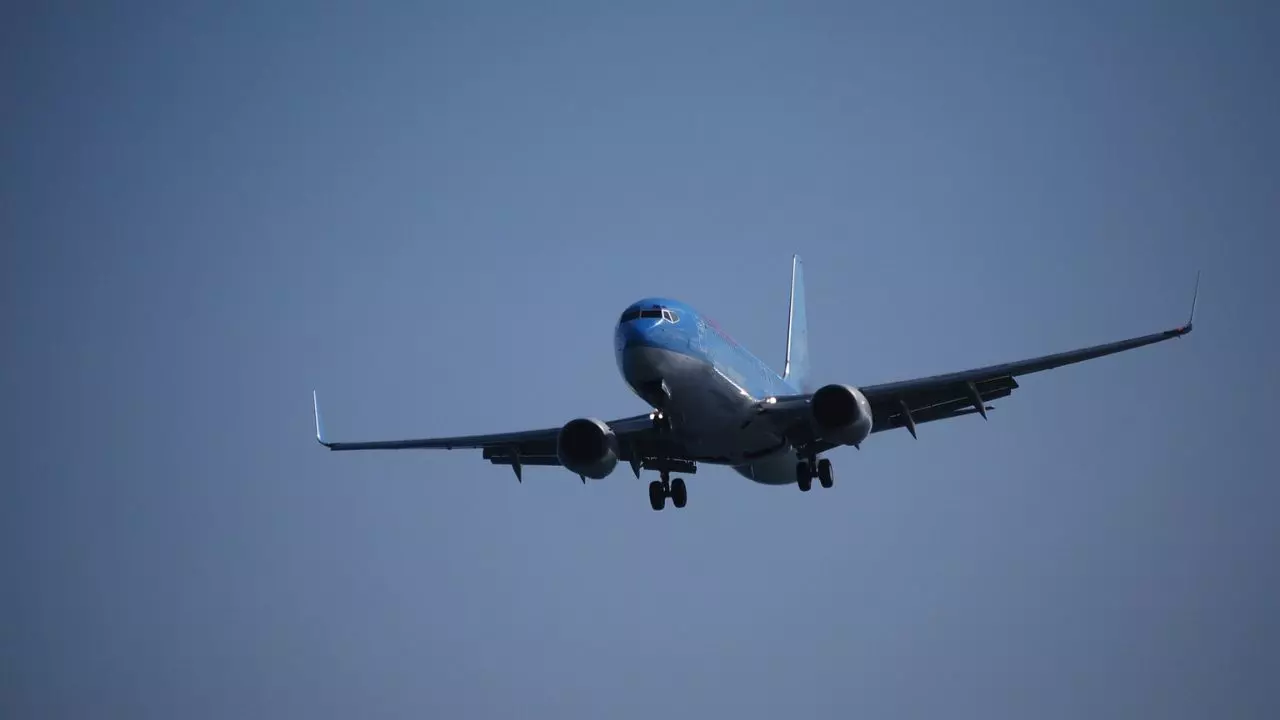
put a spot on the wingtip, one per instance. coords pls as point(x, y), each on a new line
point(315, 410)
point(1195, 295)
point(1191, 318)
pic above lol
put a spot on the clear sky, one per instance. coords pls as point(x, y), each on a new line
point(433, 214)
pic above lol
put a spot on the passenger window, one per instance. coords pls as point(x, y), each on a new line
point(630, 315)
point(650, 313)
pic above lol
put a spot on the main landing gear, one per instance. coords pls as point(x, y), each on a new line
point(807, 470)
point(667, 487)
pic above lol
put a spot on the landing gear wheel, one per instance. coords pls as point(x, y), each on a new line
point(657, 497)
point(826, 475)
point(679, 495)
point(804, 477)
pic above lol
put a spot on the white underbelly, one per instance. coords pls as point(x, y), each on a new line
point(708, 411)
point(775, 469)
point(713, 416)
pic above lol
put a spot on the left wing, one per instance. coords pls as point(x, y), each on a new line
point(908, 403)
point(526, 447)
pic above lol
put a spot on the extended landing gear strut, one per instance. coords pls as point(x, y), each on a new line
point(667, 487)
point(807, 470)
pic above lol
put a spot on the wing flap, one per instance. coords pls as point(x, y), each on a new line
point(930, 398)
point(539, 461)
point(890, 417)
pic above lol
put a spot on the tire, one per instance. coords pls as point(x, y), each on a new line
point(804, 477)
point(657, 498)
point(679, 494)
point(826, 475)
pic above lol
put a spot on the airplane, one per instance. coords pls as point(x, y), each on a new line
point(715, 403)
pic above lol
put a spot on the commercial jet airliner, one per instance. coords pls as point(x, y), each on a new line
point(715, 403)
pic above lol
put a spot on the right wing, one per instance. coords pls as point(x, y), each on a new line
point(525, 447)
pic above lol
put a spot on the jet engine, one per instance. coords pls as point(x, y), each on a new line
point(841, 414)
point(587, 447)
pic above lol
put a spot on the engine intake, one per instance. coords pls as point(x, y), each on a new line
point(841, 414)
point(587, 447)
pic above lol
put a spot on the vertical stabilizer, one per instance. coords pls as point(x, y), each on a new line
point(796, 371)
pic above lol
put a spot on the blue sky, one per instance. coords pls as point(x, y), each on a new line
point(434, 213)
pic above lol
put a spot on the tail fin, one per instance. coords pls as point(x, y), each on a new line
point(796, 371)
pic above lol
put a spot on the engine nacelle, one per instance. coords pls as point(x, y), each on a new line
point(841, 414)
point(587, 447)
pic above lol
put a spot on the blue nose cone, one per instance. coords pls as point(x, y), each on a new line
point(649, 323)
point(635, 333)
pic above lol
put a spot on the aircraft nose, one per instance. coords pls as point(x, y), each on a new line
point(637, 333)
point(632, 333)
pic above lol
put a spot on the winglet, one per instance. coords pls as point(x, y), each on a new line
point(315, 407)
point(1195, 295)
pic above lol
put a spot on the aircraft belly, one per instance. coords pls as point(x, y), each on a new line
point(707, 412)
point(775, 469)
point(707, 409)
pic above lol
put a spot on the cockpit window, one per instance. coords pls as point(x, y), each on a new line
point(655, 313)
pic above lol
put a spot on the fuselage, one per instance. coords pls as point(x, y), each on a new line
point(683, 364)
